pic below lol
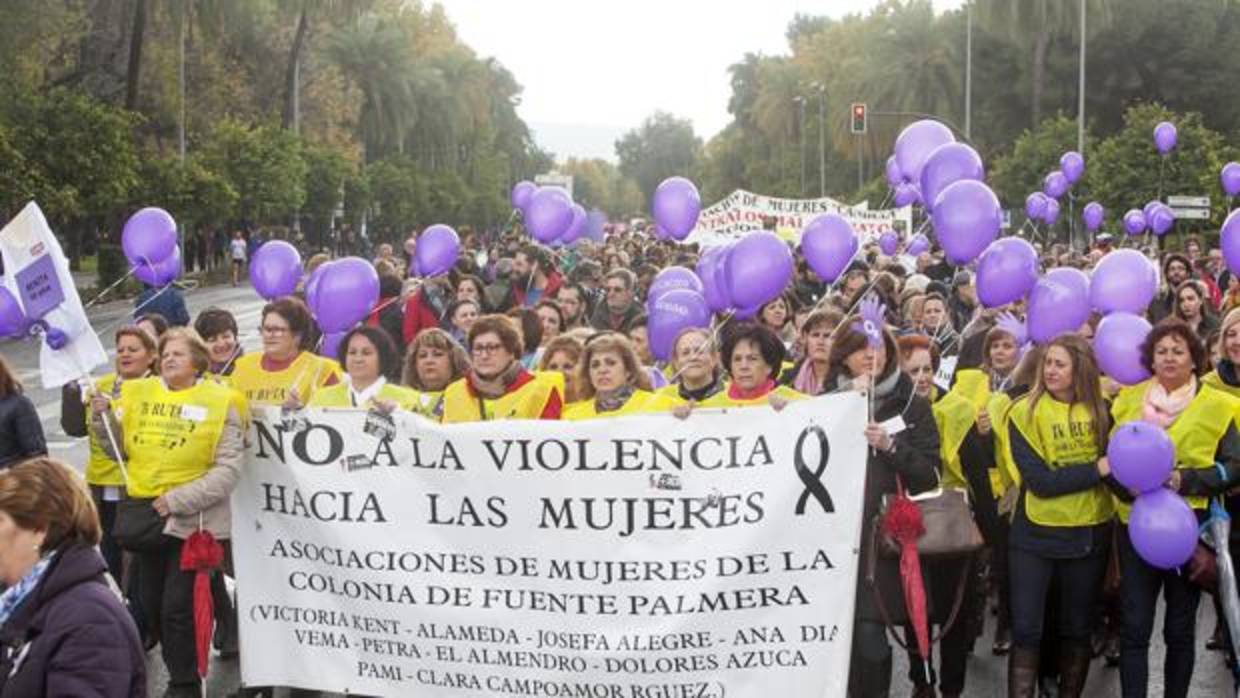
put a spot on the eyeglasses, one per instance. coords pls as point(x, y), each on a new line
point(616, 289)
point(480, 349)
point(276, 331)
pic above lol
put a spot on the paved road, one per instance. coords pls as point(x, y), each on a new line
point(986, 674)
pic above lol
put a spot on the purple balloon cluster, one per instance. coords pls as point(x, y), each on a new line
point(549, 214)
point(1122, 286)
point(149, 241)
point(340, 294)
point(1162, 527)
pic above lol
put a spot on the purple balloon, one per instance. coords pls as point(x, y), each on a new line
point(716, 294)
point(1140, 453)
point(1134, 222)
point(1117, 344)
point(160, 273)
point(521, 193)
point(1163, 529)
point(548, 214)
point(1092, 214)
point(1072, 165)
point(1055, 184)
point(1149, 208)
point(915, 144)
point(889, 242)
point(350, 288)
point(676, 206)
point(1162, 220)
point(1230, 178)
point(672, 313)
point(829, 244)
point(966, 217)
point(894, 176)
point(1006, 272)
point(671, 279)
point(577, 228)
point(721, 274)
point(1229, 241)
point(906, 195)
point(1051, 214)
point(149, 236)
point(949, 163)
point(1124, 281)
point(13, 320)
point(1165, 137)
point(917, 245)
point(312, 285)
point(331, 344)
point(1058, 303)
point(596, 220)
point(1035, 205)
point(438, 248)
point(275, 269)
point(758, 269)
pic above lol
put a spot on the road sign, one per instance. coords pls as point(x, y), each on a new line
point(555, 179)
point(1191, 213)
point(1188, 201)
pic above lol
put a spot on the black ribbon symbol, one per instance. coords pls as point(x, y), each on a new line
point(813, 480)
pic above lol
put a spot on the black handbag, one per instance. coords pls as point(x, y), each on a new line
point(138, 528)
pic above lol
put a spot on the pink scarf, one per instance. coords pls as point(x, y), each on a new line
point(806, 382)
point(1161, 408)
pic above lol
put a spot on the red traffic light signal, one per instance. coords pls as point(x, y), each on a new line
point(858, 118)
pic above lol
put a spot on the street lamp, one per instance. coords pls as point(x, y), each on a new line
point(822, 137)
point(801, 140)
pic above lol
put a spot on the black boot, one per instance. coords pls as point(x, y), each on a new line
point(1074, 658)
point(1022, 672)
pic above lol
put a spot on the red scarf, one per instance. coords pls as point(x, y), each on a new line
point(738, 393)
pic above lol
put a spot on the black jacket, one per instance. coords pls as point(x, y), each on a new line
point(21, 434)
point(72, 636)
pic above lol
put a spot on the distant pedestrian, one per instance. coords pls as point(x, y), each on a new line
point(238, 254)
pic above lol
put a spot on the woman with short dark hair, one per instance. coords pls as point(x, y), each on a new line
point(218, 328)
point(21, 433)
point(753, 357)
point(369, 359)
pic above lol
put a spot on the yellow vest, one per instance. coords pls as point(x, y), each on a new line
point(721, 399)
point(338, 396)
point(954, 416)
point(641, 402)
point(1006, 474)
point(170, 436)
point(430, 403)
point(527, 402)
point(1062, 434)
point(973, 385)
point(101, 470)
point(307, 373)
point(1195, 433)
point(1212, 379)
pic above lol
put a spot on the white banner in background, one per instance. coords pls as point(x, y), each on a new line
point(742, 212)
point(642, 557)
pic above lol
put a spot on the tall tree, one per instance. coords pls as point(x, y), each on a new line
point(137, 33)
point(663, 146)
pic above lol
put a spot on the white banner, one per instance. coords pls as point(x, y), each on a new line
point(742, 211)
point(642, 557)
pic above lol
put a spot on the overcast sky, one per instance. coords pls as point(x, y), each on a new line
point(595, 67)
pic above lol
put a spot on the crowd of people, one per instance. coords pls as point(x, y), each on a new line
point(520, 331)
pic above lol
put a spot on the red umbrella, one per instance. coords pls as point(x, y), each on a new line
point(201, 554)
point(903, 524)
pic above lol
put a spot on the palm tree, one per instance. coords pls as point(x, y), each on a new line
point(377, 55)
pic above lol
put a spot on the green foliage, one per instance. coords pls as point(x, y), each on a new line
point(326, 171)
point(397, 194)
point(263, 164)
point(196, 196)
point(663, 146)
point(600, 184)
point(1036, 153)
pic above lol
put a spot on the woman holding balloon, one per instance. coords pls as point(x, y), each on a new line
point(1060, 530)
point(1160, 535)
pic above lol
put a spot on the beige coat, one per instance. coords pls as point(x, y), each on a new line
point(203, 502)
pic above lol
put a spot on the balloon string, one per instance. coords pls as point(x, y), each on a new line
point(140, 306)
point(105, 291)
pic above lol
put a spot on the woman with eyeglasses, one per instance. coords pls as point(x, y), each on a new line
point(612, 382)
point(286, 371)
point(497, 385)
point(181, 438)
point(433, 362)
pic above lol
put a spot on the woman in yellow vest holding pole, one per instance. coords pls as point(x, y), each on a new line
point(181, 446)
point(1201, 423)
point(498, 386)
point(613, 383)
point(433, 361)
point(285, 367)
point(368, 356)
point(1061, 527)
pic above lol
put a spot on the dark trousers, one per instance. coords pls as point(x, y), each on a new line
point(1079, 581)
point(869, 673)
point(942, 580)
point(1139, 587)
point(111, 552)
point(168, 601)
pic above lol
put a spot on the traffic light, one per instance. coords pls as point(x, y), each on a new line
point(858, 117)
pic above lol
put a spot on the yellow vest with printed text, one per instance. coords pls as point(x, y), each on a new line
point(641, 402)
point(170, 435)
point(1195, 433)
point(338, 396)
point(101, 470)
point(721, 398)
point(954, 416)
point(307, 373)
point(1062, 434)
point(460, 404)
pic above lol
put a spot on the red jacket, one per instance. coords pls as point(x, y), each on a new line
point(419, 315)
point(554, 282)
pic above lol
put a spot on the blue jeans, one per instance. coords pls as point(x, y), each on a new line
point(1079, 582)
point(1139, 588)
